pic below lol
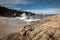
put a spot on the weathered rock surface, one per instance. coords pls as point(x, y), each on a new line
point(45, 29)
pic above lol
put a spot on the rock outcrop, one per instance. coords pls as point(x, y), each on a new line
point(44, 29)
point(6, 12)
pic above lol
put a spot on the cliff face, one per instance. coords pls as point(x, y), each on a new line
point(44, 29)
point(12, 13)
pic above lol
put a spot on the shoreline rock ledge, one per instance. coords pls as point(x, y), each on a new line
point(45, 29)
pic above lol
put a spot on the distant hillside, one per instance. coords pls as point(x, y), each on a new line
point(12, 13)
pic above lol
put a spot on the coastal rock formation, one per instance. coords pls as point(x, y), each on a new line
point(6, 12)
point(44, 29)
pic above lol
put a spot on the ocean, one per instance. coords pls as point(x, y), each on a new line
point(42, 16)
point(33, 18)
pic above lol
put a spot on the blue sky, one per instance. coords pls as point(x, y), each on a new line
point(36, 6)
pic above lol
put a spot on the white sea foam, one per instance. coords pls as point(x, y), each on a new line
point(27, 20)
point(24, 18)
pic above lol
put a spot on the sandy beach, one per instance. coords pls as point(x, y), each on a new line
point(9, 25)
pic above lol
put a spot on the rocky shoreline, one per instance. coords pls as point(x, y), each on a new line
point(44, 29)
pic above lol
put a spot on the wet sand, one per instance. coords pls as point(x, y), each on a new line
point(9, 25)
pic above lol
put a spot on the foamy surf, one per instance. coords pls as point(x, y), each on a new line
point(27, 20)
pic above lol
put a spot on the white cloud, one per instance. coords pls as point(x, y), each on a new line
point(45, 11)
point(12, 7)
point(16, 8)
point(7, 2)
